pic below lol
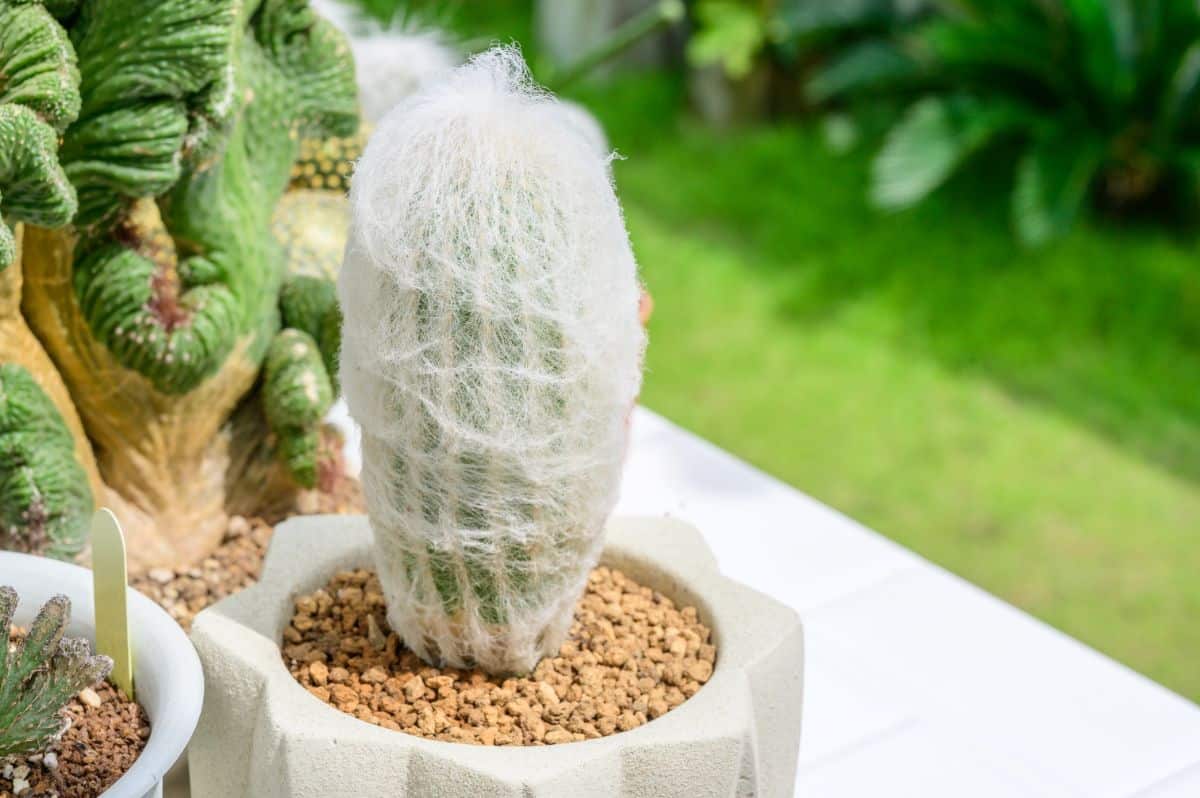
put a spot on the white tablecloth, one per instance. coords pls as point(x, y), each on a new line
point(917, 683)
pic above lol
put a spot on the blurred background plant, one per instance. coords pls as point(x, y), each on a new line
point(1028, 417)
point(763, 53)
point(1098, 100)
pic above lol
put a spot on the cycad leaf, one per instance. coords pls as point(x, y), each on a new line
point(1006, 44)
point(868, 65)
point(1053, 178)
point(1181, 97)
point(932, 139)
point(1108, 44)
point(805, 18)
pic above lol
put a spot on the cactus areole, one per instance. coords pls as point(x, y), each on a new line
point(144, 145)
point(491, 351)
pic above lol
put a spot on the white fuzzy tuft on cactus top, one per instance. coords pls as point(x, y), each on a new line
point(392, 65)
point(391, 62)
point(491, 354)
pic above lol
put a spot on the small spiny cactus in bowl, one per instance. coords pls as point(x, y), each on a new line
point(39, 674)
point(492, 353)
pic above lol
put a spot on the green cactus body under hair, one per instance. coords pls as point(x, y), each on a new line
point(491, 353)
point(40, 675)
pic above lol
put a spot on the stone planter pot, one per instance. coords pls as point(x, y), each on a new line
point(263, 735)
point(166, 671)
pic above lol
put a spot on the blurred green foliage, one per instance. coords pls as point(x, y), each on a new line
point(739, 34)
point(411, 12)
point(729, 33)
point(1100, 97)
point(1029, 419)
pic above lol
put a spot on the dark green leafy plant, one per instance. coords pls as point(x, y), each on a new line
point(39, 675)
point(1100, 98)
point(854, 39)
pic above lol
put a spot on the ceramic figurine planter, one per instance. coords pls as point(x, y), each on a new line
point(263, 735)
point(167, 675)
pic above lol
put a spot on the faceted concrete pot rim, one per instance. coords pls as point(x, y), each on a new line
point(664, 554)
point(167, 674)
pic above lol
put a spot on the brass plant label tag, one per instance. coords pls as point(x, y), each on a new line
point(110, 581)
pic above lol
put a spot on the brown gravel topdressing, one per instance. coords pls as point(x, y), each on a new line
point(106, 735)
point(632, 656)
point(237, 562)
point(234, 566)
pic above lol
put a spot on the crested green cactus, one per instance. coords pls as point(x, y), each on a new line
point(160, 302)
point(40, 674)
point(45, 498)
point(39, 97)
point(491, 353)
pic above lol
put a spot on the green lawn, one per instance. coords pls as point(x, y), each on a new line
point(1029, 420)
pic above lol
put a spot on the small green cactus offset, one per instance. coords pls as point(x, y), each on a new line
point(39, 675)
point(491, 352)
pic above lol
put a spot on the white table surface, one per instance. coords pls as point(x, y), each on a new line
point(917, 683)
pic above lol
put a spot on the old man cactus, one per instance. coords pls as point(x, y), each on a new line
point(492, 358)
point(140, 301)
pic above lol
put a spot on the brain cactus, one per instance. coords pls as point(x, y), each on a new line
point(149, 289)
point(491, 353)
point(40, 674)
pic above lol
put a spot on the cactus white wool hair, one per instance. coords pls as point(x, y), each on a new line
point(587, 125)
point(391, 65)
point(492, 354)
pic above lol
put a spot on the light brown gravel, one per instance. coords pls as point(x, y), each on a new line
point(101, 743)
point(632, 656)
point(235, 565)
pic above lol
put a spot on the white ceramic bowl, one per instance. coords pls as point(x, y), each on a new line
point(166, 670)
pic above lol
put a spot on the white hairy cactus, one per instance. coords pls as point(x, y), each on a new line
point(393, 62)
point(491, 353)
point(392, 66)
point(589, 126)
